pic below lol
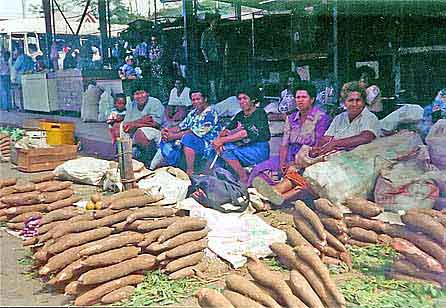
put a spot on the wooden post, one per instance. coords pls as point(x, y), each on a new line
point(125, 163)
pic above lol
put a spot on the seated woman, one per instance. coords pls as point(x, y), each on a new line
point(434, 112)
point(245, 140)
point(179, 102)
point(348, 130)
point(306, 126)
point(193, 136)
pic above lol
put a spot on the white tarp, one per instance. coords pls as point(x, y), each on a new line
point(232, 235)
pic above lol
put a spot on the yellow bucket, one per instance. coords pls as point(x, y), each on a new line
point(58, 132)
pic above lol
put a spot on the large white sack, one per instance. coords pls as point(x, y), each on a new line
point(407, 114)
point(353, 173)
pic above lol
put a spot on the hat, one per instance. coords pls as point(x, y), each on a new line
point(129, 57)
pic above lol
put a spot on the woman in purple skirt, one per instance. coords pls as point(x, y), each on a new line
point(305, 126)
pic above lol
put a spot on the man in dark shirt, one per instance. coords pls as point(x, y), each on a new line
point(245, 140)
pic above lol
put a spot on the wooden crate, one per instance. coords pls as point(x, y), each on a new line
point(44, 159)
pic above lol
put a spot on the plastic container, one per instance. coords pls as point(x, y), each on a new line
point(58, 132)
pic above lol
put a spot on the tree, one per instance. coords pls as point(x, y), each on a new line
point(119, 12)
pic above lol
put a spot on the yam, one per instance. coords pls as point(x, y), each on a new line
point(187, 271)
point(210, 298)
point(25, 209)
point(330, 260)
point(335, 243)
point(183, 262)
point(184, 225)
point(25, 198)
point(325, 207)
point(142, 262)
point(384, 239)
point(330, 252)
point(185, 238)
point(347, 259)
point(25, 216)
point(59, 261)
point(30, 241)
point(134, 192)
point(77, 239)
point(61, 214)
point(400, 276)
point(365, 223)
point(294, 238)
point(437, 215)
point(302, 289)
point(239, 300)
point(112, 242)
point(150, 237)
point(42, 254)
point(363, 235)
point(353, 242)
point(321, 270)
point(111, 257)
point(88, 225)
point(3, 218)
point(43, 178)
point(118, 295)
point(92, 296)
point(285, 255)
point(50, 197)
point(312, 218)
point(424, 223)
point(124, 226)
point(76, 288)
point(272, 281)
point(56, 186)
point(7, 182)
point(334, 226)
point(343, 238)
point(153, 212)
point(405, 267)
point(140, 201)
point(185, 249)
point(247, 288)
point(157, 224)
point(49, 227)
point(68, 272)
point(421, 241)
point(63, 203)
point(417, 256)
point(16, 225)
point(364, 207)
point(305, 229)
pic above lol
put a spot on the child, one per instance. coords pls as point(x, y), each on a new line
point(116, 116)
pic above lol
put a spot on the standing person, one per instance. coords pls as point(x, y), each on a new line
point(193, 136)
point(156, 59)
point(142, 122)
point(245, 141)
point(179, 58)
point(179, 101)
point(287, 103)
point(209, 47)
point(23, 64)
point(305, 126)
point(5, 81)
point(54, 56)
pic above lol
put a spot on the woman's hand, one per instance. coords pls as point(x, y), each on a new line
point(217, 144)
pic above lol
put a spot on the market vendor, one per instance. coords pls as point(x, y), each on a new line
point(306, 126)
point(142, 122)
point(193, 136)
point(352, 128)
point(245, 141)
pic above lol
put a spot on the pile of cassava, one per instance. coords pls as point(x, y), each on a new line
point(5, 147)
point(363, 227)
point(43, 194)
point(98, 256)
point(307, 285)
point(309, 230)
point(421, 241)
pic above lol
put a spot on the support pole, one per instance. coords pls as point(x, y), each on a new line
point(189, 33)
point(125, 163)
point(102, 10)
point(87, 5)
point(335, 48)
point(46, 5)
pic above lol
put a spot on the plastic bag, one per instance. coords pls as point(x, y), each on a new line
point(105, 105)
point(90, 104)
point(436, 141)
point(407, 114)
